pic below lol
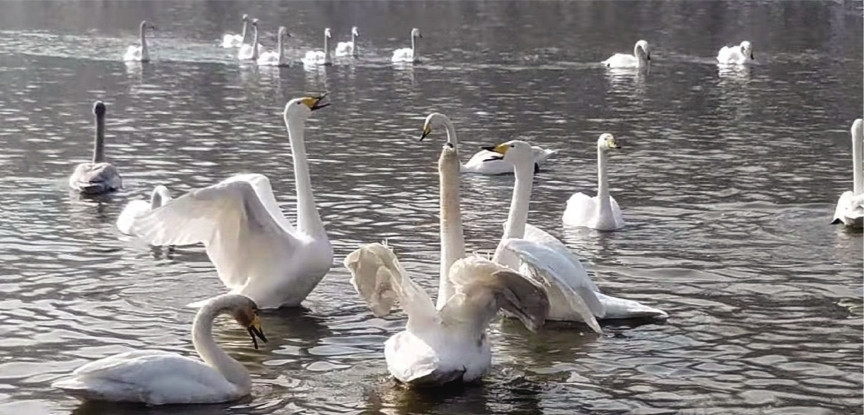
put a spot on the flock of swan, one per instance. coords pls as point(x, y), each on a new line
point(267, 261)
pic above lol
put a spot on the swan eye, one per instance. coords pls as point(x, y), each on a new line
point(512, 145)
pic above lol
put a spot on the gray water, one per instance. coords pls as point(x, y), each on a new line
point(728, 181)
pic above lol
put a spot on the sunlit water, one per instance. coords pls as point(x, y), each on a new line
point(728, 180)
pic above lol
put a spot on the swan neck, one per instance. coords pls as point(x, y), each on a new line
point(518, 216)
point(857, 168)
point(326, 49)
point(280, 45)
point(413, 50)
point(243, 33)
point(255, 42)
point(308, 220)
point(451, 134)
point(99, 141)
point(210, 352)
point(452, 239)
point(353, 44)
point(602, 182)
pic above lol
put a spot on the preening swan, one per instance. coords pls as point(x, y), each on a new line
point(156, 377)
point(449, 343)
point(256, 250)
point(484, 161)
point(235, 41)
point(139, 52)
point(640, 57)
point(276, 58)
point(318, 57)
point(247, 52)
point(600, 212)
point(406, 54)
point(138, 208)
point(850, 207)
point(98, 176)
point(348, 48)
point(736, 55)
point(573, 296)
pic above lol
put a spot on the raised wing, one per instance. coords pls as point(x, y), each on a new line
point(539, 236)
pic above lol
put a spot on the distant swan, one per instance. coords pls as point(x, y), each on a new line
point(138, 208)
point(318, 57)
point(157, 377)
point(139, 52)
point(850, 207)
point(600, 212)
point(235, 41)
point(276, 58)
point(98, 176)
point(406, 54)
point(348, 48)
point(640, 57)
point(736, 55)
point(247, 52)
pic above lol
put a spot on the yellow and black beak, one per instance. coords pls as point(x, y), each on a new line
point(500, 149)
point(315, 103)
point(256, 332)
point(427, 129)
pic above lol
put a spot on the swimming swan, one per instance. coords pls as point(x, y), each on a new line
point(449, 343)
point(600, 212)
point(157, 377)
point(138, 208)
point(98, 176)
point(406, 54)
point(247, 52)
point(139, 52)
point(318, 57)
point(256, 250)
point(276, 58)
point(484, 161)
point(349, 48)
point(850, 207)
point(640, 57)
point(234, 41)
point(736, 55)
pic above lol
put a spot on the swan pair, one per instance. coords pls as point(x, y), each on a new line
point(850, 207)
point(247, 52)
point(235, 41)
point(98, 176)
point(736, 55)
point(156, 377)
point(139, 52)
point(408, 55)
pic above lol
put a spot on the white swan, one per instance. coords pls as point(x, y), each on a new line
point(348, 48)
point(138, 208)
point(449, 343)
point(156, 377)
point(235, 41)
point(484, 161)
point(850, 207)
point(276, 58)
point(406, 54)
point(256, 250)
point(573, 296)
point(318, 57)
point(640, 57)
point(600, 212)
point(98, 176)
point(247, 52)
point(736, 55)
point(139, 52)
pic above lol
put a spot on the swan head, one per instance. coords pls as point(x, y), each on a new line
point(327, 33)
point(354, 31)
point(515, 152)
point(643, 49)
point(145, 25)
point(858, 129)
point(301, 108)
point(99, 109)
point(283, 32)
point(747, 49)
point(255, 22)
point(245, 17)
point(415, 32)
point(607, 142)
point(433, 121)
point(245, 312)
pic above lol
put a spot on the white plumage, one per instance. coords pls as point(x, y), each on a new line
point(600, 212)
point(640, 57)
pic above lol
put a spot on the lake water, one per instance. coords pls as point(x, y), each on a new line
point(728, 181)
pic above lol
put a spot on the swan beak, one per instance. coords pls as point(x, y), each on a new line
point(836, 222)
point(500, 149)
point(314, 103)
point(426, 131)
point(255, 332)
point(648, 57)
point(751, 56)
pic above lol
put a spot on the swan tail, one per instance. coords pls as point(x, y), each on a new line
point(621, 308)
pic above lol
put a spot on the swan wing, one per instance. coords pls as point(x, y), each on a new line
point(133, 210)
point(541, 154)
point(850, 209)
point(231, 41)
point(580, 210)
point(402, 55)
point(344, 48)
point(621, 60)
point(95, 178)
point(539, 236)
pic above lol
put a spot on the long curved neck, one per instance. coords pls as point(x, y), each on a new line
point(857, 168)
point(451, 134)
point(99, 141)
point(255, 42)
point(452, 239)
point(413, 50)
point(602, 183)
point(353, 44)
point(518, 216)
point(308, 220)
point(326, 49)
point(243, 33)
point(280, 46)
point(210, 352)
point(143, 38)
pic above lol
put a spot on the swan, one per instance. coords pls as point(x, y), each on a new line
point(157, 377)
point(348, 48)
point(448, 343)
point(573, 296)
point(640, 57)
point(235, 41)
point(406, 54)
point(276, 58)
point(98, 176)
point(139, 53)
point(600, 212)
point(317, 57)
point(138, 208)
point(850, 207)
point(255, 248)
point(484, 161)
point(736, 55)
point(247, 52)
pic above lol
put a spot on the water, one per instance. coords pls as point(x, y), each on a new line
point(727, 180)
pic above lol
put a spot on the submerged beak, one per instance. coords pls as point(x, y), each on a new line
point(426, 131)
point(256, 333)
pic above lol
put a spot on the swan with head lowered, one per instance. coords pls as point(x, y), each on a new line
point(255, 248)
point(236, 41)
point(277, 57)
point(320, 57)
point(640, 57)
point(349, 48)
point(138, 208)
point(447, 343)
point(247, 52)
point(600, 212)
point(484, 161)
point(850, 207)
point(573, 296)
point(156, 377)
point(98, 176)
point(139, 52)
point(408, 55)
point(736, 55)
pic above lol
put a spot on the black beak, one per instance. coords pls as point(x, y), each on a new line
point(648, 57)
point(751, 56)
point(425, 134)
point(420, 36)
point(489, 148)
point(495, 156)
point(836, 222)
point(318, 105)
point(253, 332)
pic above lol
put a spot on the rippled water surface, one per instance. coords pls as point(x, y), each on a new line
point(728, 181)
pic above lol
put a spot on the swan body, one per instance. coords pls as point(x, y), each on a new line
point(320, 57)
point(484, 161)
point(256, 250)
point(736, 55)
point(600, 212)
point(348, 48)
point(640, 57)
point(408, 55)
point(139, 52)
point(158, 378)
point(247, 52)
point(850, 207)
point(98, 176)
point(138, 208)
point(276, 58)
